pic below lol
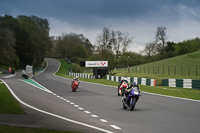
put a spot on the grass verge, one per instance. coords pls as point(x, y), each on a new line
point(64, 67)
point(163, 90)
point(9, 129)
point(8, 104)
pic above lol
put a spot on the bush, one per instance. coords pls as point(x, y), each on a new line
point(76, 68)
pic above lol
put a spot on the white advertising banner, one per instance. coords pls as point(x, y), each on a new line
point(96, 63)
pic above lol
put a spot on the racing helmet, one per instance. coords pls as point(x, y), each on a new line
point(125, 78)
point(76, 77)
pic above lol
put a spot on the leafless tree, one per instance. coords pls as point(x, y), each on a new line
point(161, 38)
point(118, 42)
point(103, 39)
point(150, 48)
point(113, 40)
point(126, 41)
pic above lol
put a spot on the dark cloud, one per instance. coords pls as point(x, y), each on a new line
point(103, 8)
point(84, 11)
point(138, 17)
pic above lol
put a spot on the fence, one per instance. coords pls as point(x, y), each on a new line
point(186, 70)
point(183, 83)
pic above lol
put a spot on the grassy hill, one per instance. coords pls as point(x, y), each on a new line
point(181, 67)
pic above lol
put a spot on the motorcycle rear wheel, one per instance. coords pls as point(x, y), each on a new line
point(124, 105)
point(118, 91)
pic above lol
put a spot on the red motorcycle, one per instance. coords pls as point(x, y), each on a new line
point(121, 89)
point(75, 85)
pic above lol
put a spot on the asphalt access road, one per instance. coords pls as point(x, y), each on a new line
point(152, 114)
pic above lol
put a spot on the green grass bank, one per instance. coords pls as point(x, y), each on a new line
point(10, 129)
point(180, 67)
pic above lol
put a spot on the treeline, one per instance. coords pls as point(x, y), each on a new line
point(110, 45)
point(23, 40)
point(160, 48)
point(113, 46)
point(74, 46)
point(175, 49)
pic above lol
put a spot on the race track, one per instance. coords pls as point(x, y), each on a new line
point(97, 108)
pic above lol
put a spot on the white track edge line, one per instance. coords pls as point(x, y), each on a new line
point(115, 127)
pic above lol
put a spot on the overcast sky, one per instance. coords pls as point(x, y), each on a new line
point(140, 18)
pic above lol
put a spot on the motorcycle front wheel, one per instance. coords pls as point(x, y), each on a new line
point(132, 104)
point(74, 88)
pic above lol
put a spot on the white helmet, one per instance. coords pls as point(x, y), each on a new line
point(76, 77)
point(125, 78)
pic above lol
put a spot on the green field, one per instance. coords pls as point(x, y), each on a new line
point(181, 67)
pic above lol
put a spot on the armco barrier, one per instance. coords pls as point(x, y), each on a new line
point(182, 83)
point(142, 81)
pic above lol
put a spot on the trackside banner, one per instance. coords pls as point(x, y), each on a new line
point(96, 63)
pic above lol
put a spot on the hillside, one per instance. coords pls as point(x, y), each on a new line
point(184, 66)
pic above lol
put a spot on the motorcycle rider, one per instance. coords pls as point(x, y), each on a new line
point(129, 88)
point(75, 78)
point(120, 83)
point(133, 85)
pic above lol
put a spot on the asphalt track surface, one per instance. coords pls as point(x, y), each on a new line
point(96, 108)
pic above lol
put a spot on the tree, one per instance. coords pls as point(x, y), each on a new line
point(104, 39)
point(8, 26)
point(7, 46)
point(150, 49)
point(113, 40)
point(73, 46)
point(118, 42)
point(161, 37)
point(39, 41)
point(170, 48)
point(126, 41)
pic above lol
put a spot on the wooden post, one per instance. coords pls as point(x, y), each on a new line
point(188, 70)
point(196, 70)
point(174, 70)
point(181, 70)
point(168, 71)
point(163, 70)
